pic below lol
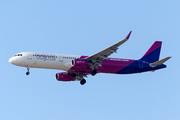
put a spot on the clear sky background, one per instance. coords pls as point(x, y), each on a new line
point(84, 28)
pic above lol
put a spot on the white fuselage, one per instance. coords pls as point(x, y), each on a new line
point(43, 60)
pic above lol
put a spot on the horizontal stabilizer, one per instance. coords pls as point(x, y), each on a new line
point(157, 63)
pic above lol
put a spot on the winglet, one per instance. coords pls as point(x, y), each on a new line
point(128, 35)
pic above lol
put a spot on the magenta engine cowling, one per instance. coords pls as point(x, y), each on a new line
point(64, 77)
point(78, 63)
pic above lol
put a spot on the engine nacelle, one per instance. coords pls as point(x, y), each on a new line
point(64, 77)
point(78, 63)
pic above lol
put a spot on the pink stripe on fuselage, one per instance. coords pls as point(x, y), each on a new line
point(111, 65)
point(156, 45)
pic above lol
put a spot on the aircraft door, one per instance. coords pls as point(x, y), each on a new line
point(60, 58)
point(29, 57)
point(140, 64)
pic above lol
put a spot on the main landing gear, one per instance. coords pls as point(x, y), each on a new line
point(83, 81)
point(93, 72)
point(27, 73)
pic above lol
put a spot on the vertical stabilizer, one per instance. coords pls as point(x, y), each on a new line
point(152, 55)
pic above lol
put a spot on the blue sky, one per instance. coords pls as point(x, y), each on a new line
point(84, 28)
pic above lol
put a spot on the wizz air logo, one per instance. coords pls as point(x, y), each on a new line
point(45, 57)
point(80, 62)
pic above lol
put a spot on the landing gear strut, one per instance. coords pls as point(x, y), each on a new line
point(93, 72)
point(83, 81)
point(27, 73)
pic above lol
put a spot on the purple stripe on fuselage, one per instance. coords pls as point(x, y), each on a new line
point(155, 46)
point(111, 65)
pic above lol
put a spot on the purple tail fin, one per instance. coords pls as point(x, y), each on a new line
point(152, 55)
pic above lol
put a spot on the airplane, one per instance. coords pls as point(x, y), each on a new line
point(77, 67)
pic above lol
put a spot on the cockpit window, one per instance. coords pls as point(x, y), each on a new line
point(18, 55)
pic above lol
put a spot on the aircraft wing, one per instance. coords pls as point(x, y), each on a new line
point(97, 58)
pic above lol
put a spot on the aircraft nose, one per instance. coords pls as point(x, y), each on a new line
point(11, 60)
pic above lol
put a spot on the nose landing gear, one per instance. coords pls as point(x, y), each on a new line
point(27, 73)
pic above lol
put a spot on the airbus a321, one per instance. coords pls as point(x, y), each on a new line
point(77, 67)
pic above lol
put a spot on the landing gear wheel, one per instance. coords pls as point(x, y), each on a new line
point(93, 72)
point(27, 73)
point(83, 81)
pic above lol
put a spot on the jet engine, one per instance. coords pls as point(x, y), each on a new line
point(64, 77)
point(78, 63)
